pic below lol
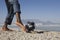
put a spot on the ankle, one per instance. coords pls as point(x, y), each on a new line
point(5, 26)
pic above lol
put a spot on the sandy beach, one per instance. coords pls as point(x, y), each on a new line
point(40, 35)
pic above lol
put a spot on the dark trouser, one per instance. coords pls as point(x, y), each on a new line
point(10, 14)
point(12, 8)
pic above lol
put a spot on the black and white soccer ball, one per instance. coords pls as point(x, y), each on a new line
point(30, 26)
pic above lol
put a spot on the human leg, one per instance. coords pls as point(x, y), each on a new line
point(9, 18)
point(19, 22)
point(18, 18)
point(17, 11)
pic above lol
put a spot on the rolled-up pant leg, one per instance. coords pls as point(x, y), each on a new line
point(10, 15)
point(16, 7)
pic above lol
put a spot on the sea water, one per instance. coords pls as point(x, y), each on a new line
point(49, 28)
point(46, 28)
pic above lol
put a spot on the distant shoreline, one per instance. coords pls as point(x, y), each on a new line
point(47, 28)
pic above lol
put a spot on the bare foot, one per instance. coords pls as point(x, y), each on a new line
point(21, 26)
point(6, 29)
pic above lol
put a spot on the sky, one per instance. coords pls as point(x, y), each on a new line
point(44, 10)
